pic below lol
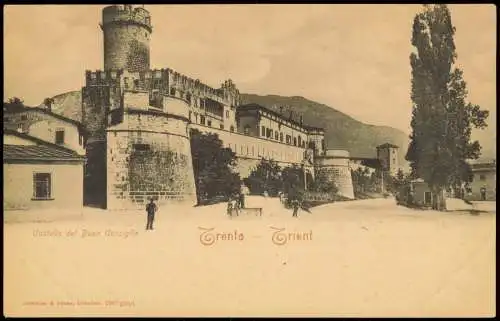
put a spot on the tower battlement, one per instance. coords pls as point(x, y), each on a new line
point(127, 32)
point(126, 14)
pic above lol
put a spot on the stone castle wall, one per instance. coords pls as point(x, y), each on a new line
point(149, 155)
point(250, 150)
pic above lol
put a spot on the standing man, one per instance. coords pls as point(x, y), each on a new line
point(151, 210)
point(483, 193)
point(295, 205)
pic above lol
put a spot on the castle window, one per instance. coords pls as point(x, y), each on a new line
point(295, 141)
point(136, 83)
point(269, 133)
point(221, 126)
point(60, 136)
point(172, 91)
point(41, 186)
point(263, 131)
point(231, 129)
point(227, 113)
point(281, 137)
point(141, 147)
point(24, 117)
point(202, 119)
point(209, 123)
point(288, 139)
point(276, 135)
point(300, 141)
point(188, 98)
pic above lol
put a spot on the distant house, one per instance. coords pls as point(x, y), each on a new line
point(40, 174)
point(46, 125)
point(483, 185)
point(421, 193)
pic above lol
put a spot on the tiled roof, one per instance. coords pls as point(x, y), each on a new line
point(37, 152)
point(387, 145)
point(42, 110)
point(253, 106)
point(36, 140)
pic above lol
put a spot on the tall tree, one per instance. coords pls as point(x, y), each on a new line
point(213, 167)
point(442, 120)
point(265, 177)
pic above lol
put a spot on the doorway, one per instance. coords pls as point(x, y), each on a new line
point(427, 198)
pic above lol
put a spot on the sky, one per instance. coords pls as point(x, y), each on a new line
point(354, 58)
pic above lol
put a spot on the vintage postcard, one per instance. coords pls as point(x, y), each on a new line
point(241, 160)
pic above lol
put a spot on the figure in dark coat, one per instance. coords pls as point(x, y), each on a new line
point(295, 205)
point(151, 209)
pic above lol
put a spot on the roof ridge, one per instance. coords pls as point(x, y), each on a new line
point(37, 140)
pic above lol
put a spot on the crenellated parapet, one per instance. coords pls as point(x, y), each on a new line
point(333, 166)
point(127, 32)
point(126, 14)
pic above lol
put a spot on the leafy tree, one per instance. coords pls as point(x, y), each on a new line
point(48, 103)
point(442, 120)
point(13, 104)
point(293, 181)
point(322, 185)
point(265, 177)
point(213, 167)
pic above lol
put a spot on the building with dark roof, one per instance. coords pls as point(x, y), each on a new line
point(258, 121)
point(40, 174)
point(46, 125)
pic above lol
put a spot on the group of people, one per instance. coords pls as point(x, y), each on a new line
point(235, 203)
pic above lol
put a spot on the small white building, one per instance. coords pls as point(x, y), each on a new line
point(39, 174)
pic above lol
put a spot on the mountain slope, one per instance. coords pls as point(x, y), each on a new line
point(342, 131)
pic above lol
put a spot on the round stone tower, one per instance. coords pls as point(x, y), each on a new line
point(127, 31)
point(334, 166)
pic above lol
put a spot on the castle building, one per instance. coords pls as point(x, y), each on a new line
point(137, 122)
